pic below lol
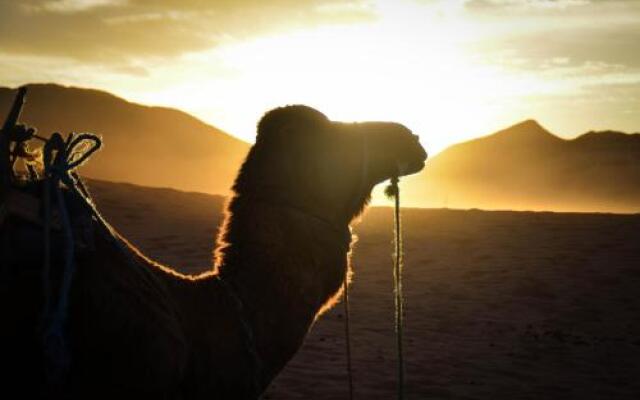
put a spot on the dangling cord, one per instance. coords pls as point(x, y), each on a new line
point(347, 330)
point(60, 158)
point(364, 178)
point(394, 190)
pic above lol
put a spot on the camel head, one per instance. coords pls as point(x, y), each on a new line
point(303, 159)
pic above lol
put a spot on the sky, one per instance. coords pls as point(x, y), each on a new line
point(448, 69)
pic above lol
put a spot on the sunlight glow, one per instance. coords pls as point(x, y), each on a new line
point(416, 63)
point(450, 70)
point(408, 65)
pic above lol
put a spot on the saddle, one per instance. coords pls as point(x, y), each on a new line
point(22, 215)
point(23, 205)
point(46, 192)
point(46, 219)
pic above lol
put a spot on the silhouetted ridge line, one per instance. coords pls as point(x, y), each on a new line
point(608, 136)
point(526, 131)
point(146, 145)
point(525, 167)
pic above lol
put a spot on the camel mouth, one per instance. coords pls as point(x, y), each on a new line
point(408, 168)
point(413, 158)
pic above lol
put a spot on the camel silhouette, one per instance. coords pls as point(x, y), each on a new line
point(138, 329)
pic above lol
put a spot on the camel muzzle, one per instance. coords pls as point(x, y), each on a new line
point(412, 166)
point(408, 168)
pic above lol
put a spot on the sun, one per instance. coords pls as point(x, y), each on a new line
point(361, 72)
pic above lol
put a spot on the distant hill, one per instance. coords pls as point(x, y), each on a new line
point(523, 167)
point(527, 167)
point(152, 146)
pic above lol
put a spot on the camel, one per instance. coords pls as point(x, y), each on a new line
point(139, 329)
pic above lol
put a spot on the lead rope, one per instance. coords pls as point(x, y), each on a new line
point(394, 190)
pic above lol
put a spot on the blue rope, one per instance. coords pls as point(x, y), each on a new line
point(60, 159)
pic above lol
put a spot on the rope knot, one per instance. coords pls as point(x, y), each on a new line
point(69, 155)
point(392, 190)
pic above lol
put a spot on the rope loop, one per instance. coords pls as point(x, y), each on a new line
point(69, 155)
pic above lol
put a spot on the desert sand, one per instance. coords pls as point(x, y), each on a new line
point(499, 305)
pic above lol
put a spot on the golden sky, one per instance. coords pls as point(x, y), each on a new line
point(448, 69)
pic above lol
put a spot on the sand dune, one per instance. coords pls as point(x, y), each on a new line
point(499, 305)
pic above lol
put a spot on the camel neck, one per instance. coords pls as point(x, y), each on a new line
point(286, 267)
point(339, 224)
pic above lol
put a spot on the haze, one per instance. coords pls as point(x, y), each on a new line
point(450, 70)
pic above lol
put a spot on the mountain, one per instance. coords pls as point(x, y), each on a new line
point(152, 146)
point(527, 167)
point(523, 167)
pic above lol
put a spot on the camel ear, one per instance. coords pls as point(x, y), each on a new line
point(288, 122)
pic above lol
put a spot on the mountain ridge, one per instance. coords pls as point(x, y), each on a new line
point(521, 167)
point(525, 167)
point(147, 145)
